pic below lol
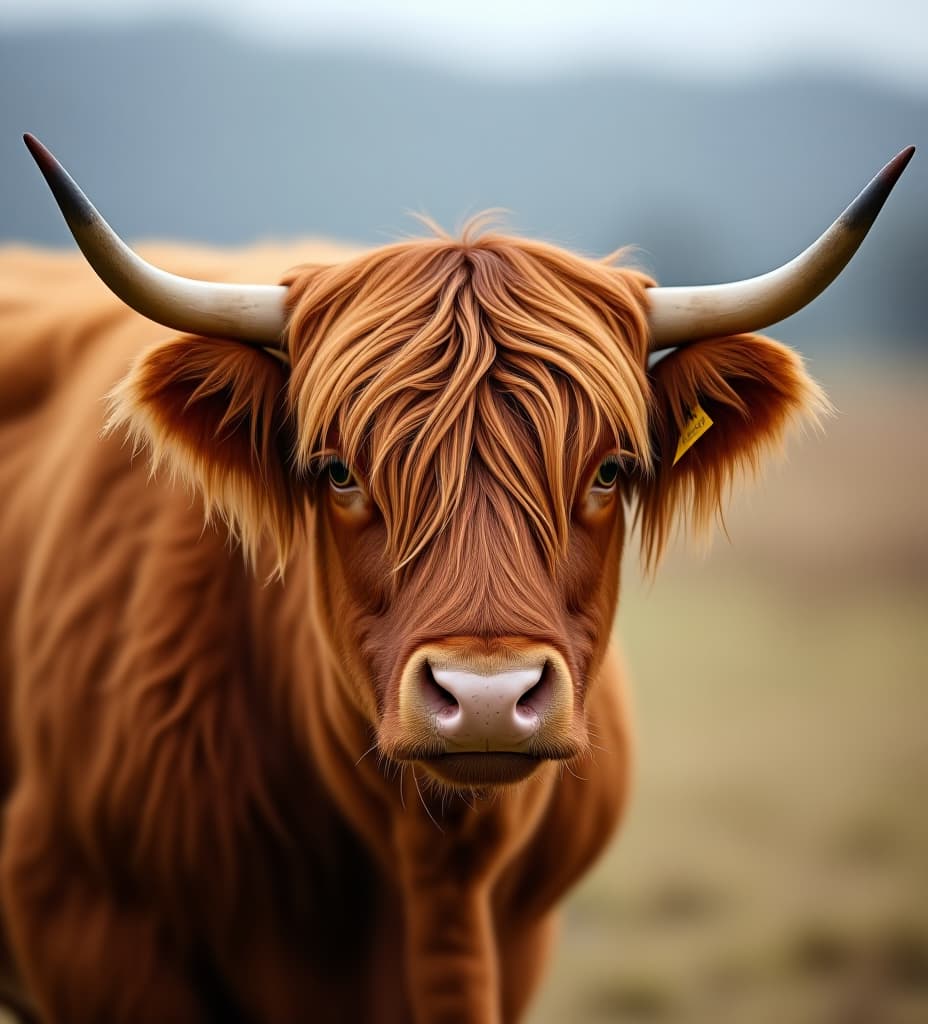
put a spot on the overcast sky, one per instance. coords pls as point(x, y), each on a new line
point(887, 39)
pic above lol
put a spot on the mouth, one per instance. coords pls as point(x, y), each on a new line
point(482, 769)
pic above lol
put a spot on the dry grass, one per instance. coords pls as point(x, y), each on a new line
point(774, 865)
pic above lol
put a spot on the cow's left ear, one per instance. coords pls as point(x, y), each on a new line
point(214, 412)
point(751, 389)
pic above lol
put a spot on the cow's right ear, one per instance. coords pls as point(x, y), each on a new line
point(214, 412)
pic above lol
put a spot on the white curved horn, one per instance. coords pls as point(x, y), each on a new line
point(247, 312)
point(679, 315)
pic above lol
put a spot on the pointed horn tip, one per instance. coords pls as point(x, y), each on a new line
point(891, 172)
point(40, 154)
point(72, 202)
point(50, 167)
point(863, 211)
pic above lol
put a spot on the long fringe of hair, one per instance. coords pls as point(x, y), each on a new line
point(412, 360)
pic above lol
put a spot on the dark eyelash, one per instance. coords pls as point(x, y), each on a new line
point(628, 462)
point(321, 463)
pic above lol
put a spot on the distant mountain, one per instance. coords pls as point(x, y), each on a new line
point(176, 130)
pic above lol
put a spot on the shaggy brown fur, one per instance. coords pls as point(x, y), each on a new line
point(212, 808)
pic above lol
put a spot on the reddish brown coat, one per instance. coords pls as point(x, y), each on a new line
point(195, 825)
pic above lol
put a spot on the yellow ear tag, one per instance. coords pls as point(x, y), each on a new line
point(692, 431)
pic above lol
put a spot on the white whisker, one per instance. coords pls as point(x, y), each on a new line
point(415, 779)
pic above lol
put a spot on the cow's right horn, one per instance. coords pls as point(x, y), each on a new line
point(247, 312)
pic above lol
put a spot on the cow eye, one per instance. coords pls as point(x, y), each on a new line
point(340, 476)
point(607, 474)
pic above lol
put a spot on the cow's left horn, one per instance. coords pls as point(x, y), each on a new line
point(679, 315)
point(248, 312)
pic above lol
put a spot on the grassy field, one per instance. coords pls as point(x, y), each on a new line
point(774, 863)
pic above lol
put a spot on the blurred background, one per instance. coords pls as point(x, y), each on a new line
point(774, 862)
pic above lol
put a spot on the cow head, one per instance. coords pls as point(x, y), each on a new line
point(469, 413)
point(461, 425)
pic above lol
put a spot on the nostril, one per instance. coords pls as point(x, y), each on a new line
point(436, 696)
point(535, 698)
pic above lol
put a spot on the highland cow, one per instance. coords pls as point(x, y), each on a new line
point(326, 780)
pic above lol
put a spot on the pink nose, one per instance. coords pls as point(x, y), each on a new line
point(499, 711)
